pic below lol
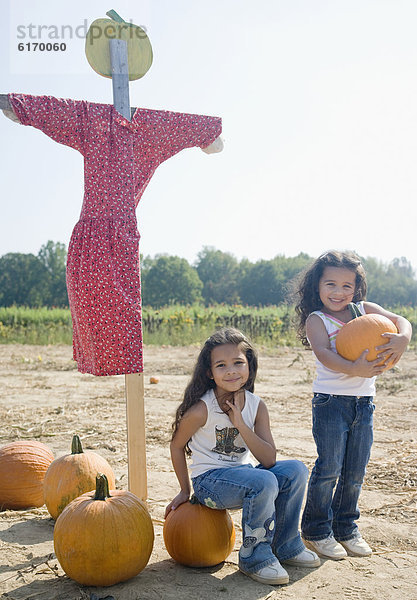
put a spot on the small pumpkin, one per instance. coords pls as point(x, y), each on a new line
point(71, 475)
point(364, 333)
point(23, 465)
point(198, 536)
point(153, 380)
point(103, 537)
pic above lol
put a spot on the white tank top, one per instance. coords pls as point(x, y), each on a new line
point(218, 443)
point(328, 381)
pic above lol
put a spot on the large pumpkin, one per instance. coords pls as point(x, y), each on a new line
point(103, 538)
point(364, 333)
point(72, 475)
point(23, 465)
point(198, 536)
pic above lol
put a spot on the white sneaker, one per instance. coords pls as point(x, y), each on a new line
point(357, 546)
point(328, 548)
point(273, 574)
point(306, 558)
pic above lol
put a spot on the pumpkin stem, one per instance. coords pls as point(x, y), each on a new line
point(113, 15)
point(194, 500)
point(102, 487)
point(354, 310)
point(76, 446)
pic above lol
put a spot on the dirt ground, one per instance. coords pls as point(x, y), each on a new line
point(43, 397)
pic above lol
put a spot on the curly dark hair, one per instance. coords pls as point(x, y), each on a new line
point(307, 289)
point(201, 381)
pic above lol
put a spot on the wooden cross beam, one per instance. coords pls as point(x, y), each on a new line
point(5, 105)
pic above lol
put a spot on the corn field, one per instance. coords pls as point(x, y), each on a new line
point(173, 325)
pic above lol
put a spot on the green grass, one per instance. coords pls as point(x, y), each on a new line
point(173, 325)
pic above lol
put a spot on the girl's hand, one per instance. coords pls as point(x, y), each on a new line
point(239, 399)
point(236, 407)
point(176, 502)
point(394, 348)
point(362, 367)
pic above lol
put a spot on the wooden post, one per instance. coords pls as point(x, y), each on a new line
point(135, 405)
point(120, 76)
point(136, 444)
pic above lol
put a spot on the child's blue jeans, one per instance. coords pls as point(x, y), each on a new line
point(343, 432)
point(271, 503)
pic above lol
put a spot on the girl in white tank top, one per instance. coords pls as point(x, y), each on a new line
point(342, 406)
point(225, 428)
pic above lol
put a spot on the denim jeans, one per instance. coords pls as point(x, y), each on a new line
point(271, 501)
point(342, 430)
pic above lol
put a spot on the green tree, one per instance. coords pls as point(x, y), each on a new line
point(24, 280)
point(263, 284)
point(146, 263)
point(391, 285)
point(290, 269)
point(269, 281)
point(171, 280)
point(219, 272)
point(53, 255)
point(293, 265)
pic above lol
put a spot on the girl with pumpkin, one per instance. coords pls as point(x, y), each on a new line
point(331, 291)
point(219, 423)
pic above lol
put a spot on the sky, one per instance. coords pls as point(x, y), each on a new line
point(319, 107)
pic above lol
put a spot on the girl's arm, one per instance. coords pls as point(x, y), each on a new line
point(319, 340)
point(259, 441)
point(397, 342)
point(194, 418)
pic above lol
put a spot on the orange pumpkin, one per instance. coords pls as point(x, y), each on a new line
point(23, 465)
point(72, 475)
point(198, 536)
point(364, 333)
point(103, 538)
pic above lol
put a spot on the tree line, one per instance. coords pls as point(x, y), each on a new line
point(216, 277)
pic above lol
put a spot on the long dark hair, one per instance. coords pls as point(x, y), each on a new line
point(201, 381)
point(307, 289)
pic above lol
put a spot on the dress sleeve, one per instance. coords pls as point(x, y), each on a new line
point(65, 121)
point(184, 130)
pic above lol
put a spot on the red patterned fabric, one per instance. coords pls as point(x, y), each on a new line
point(120, 157)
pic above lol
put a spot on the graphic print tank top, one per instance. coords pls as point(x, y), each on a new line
point(218, 443)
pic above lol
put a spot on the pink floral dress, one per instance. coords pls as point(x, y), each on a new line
point(120, 157)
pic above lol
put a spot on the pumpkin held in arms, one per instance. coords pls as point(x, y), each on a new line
point(364, 333)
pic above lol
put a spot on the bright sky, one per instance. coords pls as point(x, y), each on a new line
point(319, 106)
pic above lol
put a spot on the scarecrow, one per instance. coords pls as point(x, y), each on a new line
point(122, 147)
